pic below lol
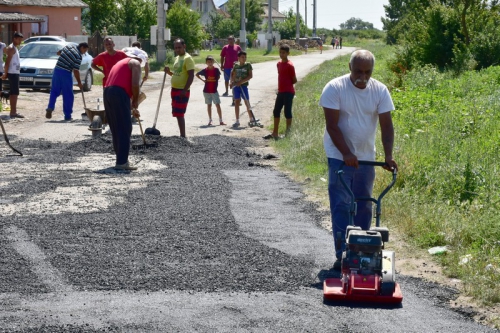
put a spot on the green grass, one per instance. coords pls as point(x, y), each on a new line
point(447, 148)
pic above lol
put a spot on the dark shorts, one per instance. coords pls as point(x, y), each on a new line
point(227, 74)
point(14, 84)
point(179, 104)
point(283, 99)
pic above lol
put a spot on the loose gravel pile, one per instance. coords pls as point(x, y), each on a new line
point(175, 231)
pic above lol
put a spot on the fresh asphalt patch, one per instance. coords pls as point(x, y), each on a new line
point(202, 237)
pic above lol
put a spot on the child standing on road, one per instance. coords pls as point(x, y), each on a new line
point(241, 74)
point(286, 91)
point(212, 76)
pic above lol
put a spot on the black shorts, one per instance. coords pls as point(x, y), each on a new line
point(14, 84)
point(283, 99)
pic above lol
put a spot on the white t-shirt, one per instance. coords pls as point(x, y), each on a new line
point(359, 110)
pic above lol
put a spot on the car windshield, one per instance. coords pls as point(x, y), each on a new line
point(40, 51)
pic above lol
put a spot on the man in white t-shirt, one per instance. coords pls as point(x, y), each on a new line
point(354, 104)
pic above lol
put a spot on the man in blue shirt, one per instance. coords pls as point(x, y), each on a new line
point(70, 58)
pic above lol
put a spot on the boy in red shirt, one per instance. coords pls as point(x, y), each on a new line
point(286, 91)
point(212, 76)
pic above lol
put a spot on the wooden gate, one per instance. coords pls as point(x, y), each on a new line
point(96, 44)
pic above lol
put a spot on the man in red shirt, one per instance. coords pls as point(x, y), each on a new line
point(228, 56)
point(286, 91)
point(107, 59)
point(120, 94)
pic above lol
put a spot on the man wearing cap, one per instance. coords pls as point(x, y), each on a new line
point(120, 94)
point(70, 59)
point(12, 70)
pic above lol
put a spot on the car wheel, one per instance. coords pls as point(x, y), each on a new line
point(89, 79)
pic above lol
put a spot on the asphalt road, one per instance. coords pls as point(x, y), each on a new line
point(204, 237)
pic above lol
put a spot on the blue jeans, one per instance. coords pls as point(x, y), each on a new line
point(62, 82)
point(361, 183)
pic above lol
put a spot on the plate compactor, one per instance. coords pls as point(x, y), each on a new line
point(367, 271)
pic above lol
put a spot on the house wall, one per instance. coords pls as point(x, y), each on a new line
point(61, 21)
point(205, 18)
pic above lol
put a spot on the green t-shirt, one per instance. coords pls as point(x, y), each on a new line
point(181, 67)
point(242, 71)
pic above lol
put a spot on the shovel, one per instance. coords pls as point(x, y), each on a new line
point(145, 144)
point(153, 130)
point(84, 115)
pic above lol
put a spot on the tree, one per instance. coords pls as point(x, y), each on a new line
point(288, 28)
point(356, 24)
point(253, 12)
point(221, 27)
point(135, 17)
point(185, 23)
point(396, 11)
point(97, 16)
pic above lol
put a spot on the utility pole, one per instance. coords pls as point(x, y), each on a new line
point(305, 8)
point(161, 52)
point(269, 27)
point(297, 24)
point(314, 18)
point(243, 32)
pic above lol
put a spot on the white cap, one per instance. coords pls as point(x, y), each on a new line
point(135, 52)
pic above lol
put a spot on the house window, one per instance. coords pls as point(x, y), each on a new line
point(40, 28)
point(202, 6)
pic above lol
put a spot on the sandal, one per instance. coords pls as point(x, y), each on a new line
point(17, 115)
point(268, 137)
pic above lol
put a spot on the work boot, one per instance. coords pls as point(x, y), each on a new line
point(48, 113)
point(337, 265)
point(125, 166)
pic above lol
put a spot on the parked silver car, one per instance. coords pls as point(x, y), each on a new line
point(38, 60)
point(43, 38)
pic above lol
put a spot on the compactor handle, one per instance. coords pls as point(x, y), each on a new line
point(378, 201)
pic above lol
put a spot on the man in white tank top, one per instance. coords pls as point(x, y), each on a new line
point(12, 70)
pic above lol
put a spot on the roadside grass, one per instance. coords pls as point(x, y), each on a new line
point(447, 134)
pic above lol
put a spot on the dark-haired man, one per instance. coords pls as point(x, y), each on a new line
point(182, 78)
point(12, 71)
point(70, 59)
point(228, 56)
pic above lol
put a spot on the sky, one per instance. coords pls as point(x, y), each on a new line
point(331, 13)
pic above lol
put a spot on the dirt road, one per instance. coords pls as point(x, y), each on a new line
point(204, 237)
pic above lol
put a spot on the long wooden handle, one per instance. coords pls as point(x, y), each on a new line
point(140, 126)
point(83, 98)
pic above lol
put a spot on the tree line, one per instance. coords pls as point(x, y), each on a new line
point(450, 34)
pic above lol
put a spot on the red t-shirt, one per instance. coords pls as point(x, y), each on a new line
point(230, 55)
point(107, 61)
point(286, 73)
point(121, 76)
point(212, 79)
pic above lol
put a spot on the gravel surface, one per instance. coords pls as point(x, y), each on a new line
point(203, 237)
